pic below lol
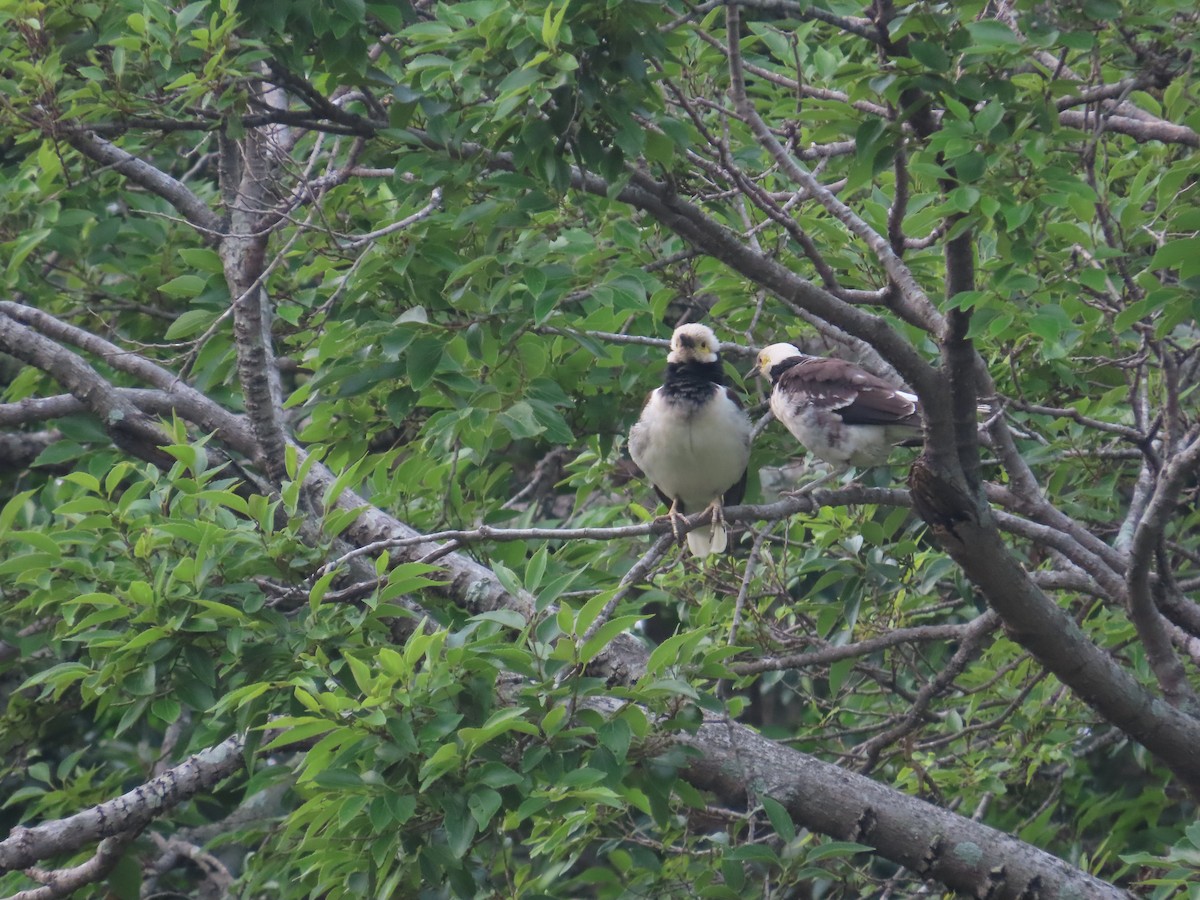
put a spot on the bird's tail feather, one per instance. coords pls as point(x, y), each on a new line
point(707, 539)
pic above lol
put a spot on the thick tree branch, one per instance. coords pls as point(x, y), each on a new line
point(64, 882)
point(130, 812)
point(247, 176)
point(966, 530)
point(17, 451)
point(1164, 132)
point(129, 428)
point(173, 394)
point(140, 172)
point(739, 766)
point(1143, 611)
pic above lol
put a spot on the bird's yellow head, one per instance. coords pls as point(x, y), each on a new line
point(694, 343)
point(771, 356)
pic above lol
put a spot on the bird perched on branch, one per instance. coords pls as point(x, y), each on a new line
point(840, 412)
point(693, 439)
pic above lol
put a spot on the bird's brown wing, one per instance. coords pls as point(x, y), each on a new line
point(852, 392)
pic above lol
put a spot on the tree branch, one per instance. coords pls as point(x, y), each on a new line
point(128, 813)
point(129, 428)
point(1143, 611)
point(827, 655)
point(968, 533)
point(246, 179)
point(739, 765)
point(916, 307)
point(1141, 131)
point(63, 882)
point(17, 451)
point(191, 207)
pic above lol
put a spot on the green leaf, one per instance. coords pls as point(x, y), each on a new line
point(605, 634)
point(1173, 253)
point(506, 617)
point(125, 878)
point(781, 820)
point(674, 649)
point(932, 56)
point(422, 360)
point(500, 722)
point(12, 508)
point(837, 850)
point(183, 286)
point(992, 34)
point(191, 322)
point(520, 421)
point(483, 804)
point(460, 826)
point(552, 26)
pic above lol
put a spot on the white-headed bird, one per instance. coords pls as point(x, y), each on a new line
point(840, 412)
point(693, 439)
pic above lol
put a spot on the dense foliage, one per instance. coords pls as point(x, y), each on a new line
point(323, 327)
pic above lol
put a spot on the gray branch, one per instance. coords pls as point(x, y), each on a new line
point(247, 175)
point(1143, 611)
point(129, 428)
point(739, 765)
point(140, 172)
point(130, 812)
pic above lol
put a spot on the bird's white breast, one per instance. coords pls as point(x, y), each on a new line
point(826, 436)
point(695, 453)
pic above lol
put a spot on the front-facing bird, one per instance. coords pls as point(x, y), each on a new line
point(693, 439)
point(841, 413)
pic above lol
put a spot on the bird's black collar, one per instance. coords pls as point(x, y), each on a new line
point(692, 382)
point(696, 371)
point(777, 370)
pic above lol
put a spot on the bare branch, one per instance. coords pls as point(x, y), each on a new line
point(1119, 90)
point(126, 814)
point(1125, 431)
point(174, 849)
point(173, 394)
point(917, 307)
point(1143, 611)
point(63, 882)
point(970, 644)
point(435, 201)
point(247, 174)
point(129, 428)
point(827, 655)
point(17, 451)
point(191, 207)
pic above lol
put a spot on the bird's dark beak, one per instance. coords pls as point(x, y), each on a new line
point(755, 372)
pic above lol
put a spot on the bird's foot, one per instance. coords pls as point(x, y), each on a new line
point(675, 517)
